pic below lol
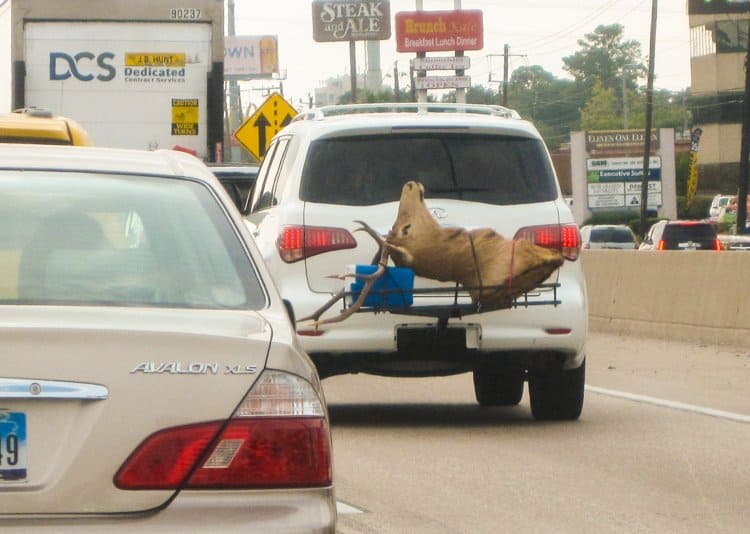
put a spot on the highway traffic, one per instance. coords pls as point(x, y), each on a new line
point(661, 446)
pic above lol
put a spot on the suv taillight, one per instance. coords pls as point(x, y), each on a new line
point(278, 437)
point(298, 242)
point(562, 237)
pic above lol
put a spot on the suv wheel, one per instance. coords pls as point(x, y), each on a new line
point(557, 395)
point(498, 387)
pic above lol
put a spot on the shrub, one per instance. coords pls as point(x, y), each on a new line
point(697, 210)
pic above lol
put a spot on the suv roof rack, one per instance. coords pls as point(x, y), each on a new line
point(34, 112)
point(407, 107)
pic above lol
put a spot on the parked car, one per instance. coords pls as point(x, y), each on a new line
point(481, 166)
point(615, 236)
point(719, 202)
point(734, 242)
point(40, 126)
point(681, 235)
point(238, 180)
point(151, 377)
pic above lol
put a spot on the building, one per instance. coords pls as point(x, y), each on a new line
point(718, 47)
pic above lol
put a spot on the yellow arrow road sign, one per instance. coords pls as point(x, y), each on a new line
point(256, 132)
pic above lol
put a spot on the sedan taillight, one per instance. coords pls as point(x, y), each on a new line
point(278, 437)
point(299, 242)
point(564, 238)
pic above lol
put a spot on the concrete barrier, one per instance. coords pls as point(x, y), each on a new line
point(695, 296)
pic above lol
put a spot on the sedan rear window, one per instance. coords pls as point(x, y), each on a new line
point(95, 239)
point(612, 235)
point(370, 170)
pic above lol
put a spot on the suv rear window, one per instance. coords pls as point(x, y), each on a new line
point(366, 170)
point(612, 235)
point(703, 235)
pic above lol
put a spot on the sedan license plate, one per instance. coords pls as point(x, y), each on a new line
point(12, 446)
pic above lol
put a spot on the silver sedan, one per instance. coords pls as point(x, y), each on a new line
point(151, 378)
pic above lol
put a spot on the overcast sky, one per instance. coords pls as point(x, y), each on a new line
point(539, 32)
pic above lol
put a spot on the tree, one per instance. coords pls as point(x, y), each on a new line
point(476, 94)
point(606, 58)
point(382, 95)
point(599, 112)
point(551, 103)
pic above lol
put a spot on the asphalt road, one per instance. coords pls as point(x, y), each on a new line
point(662, 446)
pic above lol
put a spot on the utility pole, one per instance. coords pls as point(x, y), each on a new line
point(505, 83)
point(396, 88)
point(420, 93)
point(505, 74)
point(649, 118)
point(624, 103)
point(460, 91)
point(235, 99)
point(745, 152)
point(353, 70)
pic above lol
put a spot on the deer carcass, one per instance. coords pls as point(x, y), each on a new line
point(494, 270)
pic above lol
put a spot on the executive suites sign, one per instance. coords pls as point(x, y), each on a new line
point(351, 20)
point(439, 31)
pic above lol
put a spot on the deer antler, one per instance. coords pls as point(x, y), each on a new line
point(382, 245)
point(370, 279)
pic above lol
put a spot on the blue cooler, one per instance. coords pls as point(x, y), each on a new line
point(392, 290)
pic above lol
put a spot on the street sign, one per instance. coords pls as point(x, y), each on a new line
point(256, 132)
point(441, 63)
point(442, 82)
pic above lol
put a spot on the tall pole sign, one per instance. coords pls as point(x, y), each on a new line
point(439, 31)
point(350, 21)
point(649, 117)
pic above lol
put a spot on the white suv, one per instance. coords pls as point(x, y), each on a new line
point(481, 166)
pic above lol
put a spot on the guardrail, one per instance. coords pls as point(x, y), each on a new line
point(699, 296)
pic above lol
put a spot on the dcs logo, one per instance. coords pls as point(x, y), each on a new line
point(62, 66)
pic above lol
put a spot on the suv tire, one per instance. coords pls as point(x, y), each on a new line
point(498, 387)
point(557, 395)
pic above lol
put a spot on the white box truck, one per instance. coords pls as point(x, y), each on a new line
point(136, 74)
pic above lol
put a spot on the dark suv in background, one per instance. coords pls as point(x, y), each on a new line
point(681, 235)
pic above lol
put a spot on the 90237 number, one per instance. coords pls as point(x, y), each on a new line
point(184, 13)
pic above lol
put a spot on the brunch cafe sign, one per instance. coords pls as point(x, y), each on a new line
point(439, 31)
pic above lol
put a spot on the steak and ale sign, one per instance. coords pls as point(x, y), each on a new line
point(351, 20)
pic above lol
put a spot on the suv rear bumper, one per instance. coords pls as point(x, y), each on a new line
point(528, 337)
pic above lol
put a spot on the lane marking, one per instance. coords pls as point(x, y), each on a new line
point(731, 416)
point(343, 508)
